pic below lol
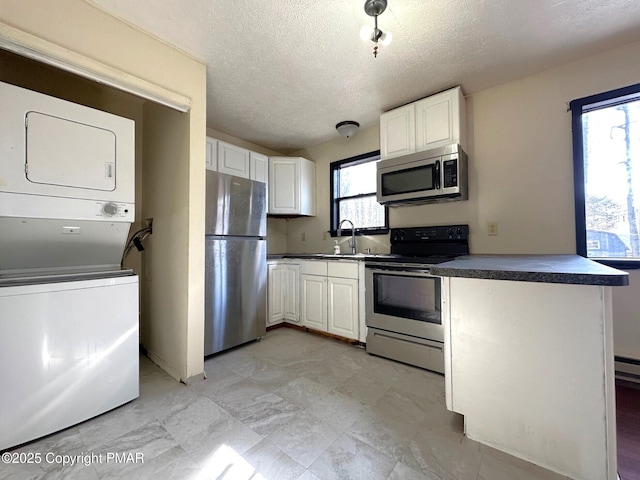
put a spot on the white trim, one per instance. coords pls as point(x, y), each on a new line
point(32, 47)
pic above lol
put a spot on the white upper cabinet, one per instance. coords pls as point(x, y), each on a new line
point(440, 120)
point(292, 186)
point(233, 160)
point(398, 132)
point(212, 154)
point(227, 158)
point(259, 167)
point(432, 122)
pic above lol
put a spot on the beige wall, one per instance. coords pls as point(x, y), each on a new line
point(520, 173)
point(314, 230)
point(172, 178)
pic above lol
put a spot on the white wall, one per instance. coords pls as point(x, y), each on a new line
point(82, 35)
point(520, 173)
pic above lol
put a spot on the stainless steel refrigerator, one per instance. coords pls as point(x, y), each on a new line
point(236, 262)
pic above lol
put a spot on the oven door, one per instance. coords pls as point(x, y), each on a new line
point(404, 300)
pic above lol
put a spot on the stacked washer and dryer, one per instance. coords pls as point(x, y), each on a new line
point(68, 311)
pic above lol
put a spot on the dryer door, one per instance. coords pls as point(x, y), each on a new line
point(71, 154)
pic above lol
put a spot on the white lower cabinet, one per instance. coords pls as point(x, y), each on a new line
point(292, 292)
point(342, 307)
point(283, 286)
point(314, 302)
point(330, 297)
point(275, 293)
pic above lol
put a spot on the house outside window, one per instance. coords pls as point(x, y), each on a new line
point(606, 146)
point(353, 196)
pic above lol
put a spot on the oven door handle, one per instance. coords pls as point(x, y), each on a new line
point(413, 272)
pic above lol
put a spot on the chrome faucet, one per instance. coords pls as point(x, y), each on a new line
point(351, 243)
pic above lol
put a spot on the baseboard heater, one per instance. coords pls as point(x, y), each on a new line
point(627, 369)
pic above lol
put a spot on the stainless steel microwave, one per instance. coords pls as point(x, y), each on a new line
point(436, 175)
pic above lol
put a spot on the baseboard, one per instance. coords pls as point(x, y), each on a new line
point(159, 361)
point(302, 328)
point(627, 369)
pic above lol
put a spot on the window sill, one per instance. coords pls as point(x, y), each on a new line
point(619, 263)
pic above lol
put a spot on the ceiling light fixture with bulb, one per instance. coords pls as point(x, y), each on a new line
point(348, 128)
point(373, 8)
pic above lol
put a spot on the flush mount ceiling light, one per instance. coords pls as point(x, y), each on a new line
point(348, 128)
point(373, 8)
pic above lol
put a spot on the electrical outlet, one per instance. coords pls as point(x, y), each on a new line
point(149, 224)
point(303, 236)
point(492, 229)
point(324, 235)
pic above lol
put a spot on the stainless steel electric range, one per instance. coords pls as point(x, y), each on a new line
point(403, 300)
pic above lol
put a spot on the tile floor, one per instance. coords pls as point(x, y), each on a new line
point(293, 406)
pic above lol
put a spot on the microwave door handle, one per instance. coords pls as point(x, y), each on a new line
point(436, 175)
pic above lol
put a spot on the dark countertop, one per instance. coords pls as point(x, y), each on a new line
point(319, 256)
point(568, 269)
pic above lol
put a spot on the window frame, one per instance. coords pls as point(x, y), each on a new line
point(578, 107)
point(334, 213)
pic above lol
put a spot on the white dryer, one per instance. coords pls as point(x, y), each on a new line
point(68, 313)
point(67, 191)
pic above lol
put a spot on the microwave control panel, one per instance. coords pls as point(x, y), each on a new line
point(450, 173)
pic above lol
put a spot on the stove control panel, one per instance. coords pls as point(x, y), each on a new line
point(427, 234)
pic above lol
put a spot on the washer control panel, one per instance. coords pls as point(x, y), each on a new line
point(112, 210)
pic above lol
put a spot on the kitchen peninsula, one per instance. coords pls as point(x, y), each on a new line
point(529, 357)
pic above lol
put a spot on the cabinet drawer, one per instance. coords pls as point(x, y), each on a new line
point(340, 268)
point(314, 267)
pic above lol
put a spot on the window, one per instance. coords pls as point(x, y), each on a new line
point(353, 196)
point(606, 152)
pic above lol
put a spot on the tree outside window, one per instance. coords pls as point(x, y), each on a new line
point(353, 195)
point(606, 130)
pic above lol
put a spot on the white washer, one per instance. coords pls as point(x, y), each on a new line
point(69, 352)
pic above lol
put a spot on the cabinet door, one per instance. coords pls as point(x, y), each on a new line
point(233, 160)
point(438, 120)
point(276, 294)
point(292, 296)
point(314, 302)
point(398, 132)
point(212, 154)
point(343, 307)
point(259, 167)
point(284, 183)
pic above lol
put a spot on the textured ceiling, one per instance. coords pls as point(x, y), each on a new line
point(281, 74)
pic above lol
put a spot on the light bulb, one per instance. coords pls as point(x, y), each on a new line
point(365, 33)
point(386, 38)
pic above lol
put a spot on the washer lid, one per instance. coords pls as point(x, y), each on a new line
point(68, 153)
